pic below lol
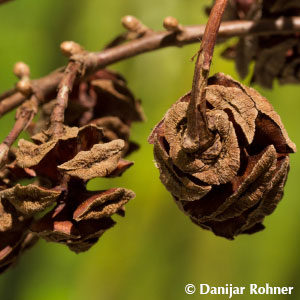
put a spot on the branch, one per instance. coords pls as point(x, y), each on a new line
point(197, 135)
point(24, 116)
point(157, 40)
point(7, 94)
point(65, 88)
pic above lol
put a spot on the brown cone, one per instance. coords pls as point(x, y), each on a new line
point(58, 207)
point(230, 187)
point(103, 99)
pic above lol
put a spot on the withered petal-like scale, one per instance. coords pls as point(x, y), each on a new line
point(30, 154)
point(122, 166)
point(274, 130)
point(99, 161)
point(113, 128)
point(6, 216)
point(237, 102)
point(56, 226)
point(30, 199)
point(118, 102)
point(40, 157)
point(209, 166)
point(272, 195)
point(59, 231)
point(180, 184)
point(228, 201)
point(226, 163)
point(91, 231)
point(253, 187)
point(248, 219)
point(103, 204)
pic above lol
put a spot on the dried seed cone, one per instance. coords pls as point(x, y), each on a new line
point(57, 206)
point(230, 187)
point(103, 99)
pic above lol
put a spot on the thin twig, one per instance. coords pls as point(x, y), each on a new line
point(45, 86)
point(197, 135)
point(157, 40)
point(7, 94)
point(65, 88)
point(24, 116)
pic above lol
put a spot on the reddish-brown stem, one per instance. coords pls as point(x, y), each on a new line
point(43, 87)
point(198, 136)
point(7, 94)
point(157, 40)
point(65, 88)
point(24, 116)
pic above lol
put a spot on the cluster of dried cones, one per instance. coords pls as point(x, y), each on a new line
point(227, 185)
point(232, 185)
point(275, 56)
point(57, 206)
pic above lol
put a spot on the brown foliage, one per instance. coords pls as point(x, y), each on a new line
point(57, 206)
point(275, 56)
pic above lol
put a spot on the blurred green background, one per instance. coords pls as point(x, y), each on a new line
point(155, 250)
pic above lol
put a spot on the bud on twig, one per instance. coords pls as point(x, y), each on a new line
point(133, 24)
point(172, 24)
point(21, 70)
point(69, 48)
point(24, 86)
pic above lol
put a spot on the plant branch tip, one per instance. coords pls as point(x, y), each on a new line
point(24, 86)
point(172, 24)
point(133, 24)
point(69, 48)
point(21, 70)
